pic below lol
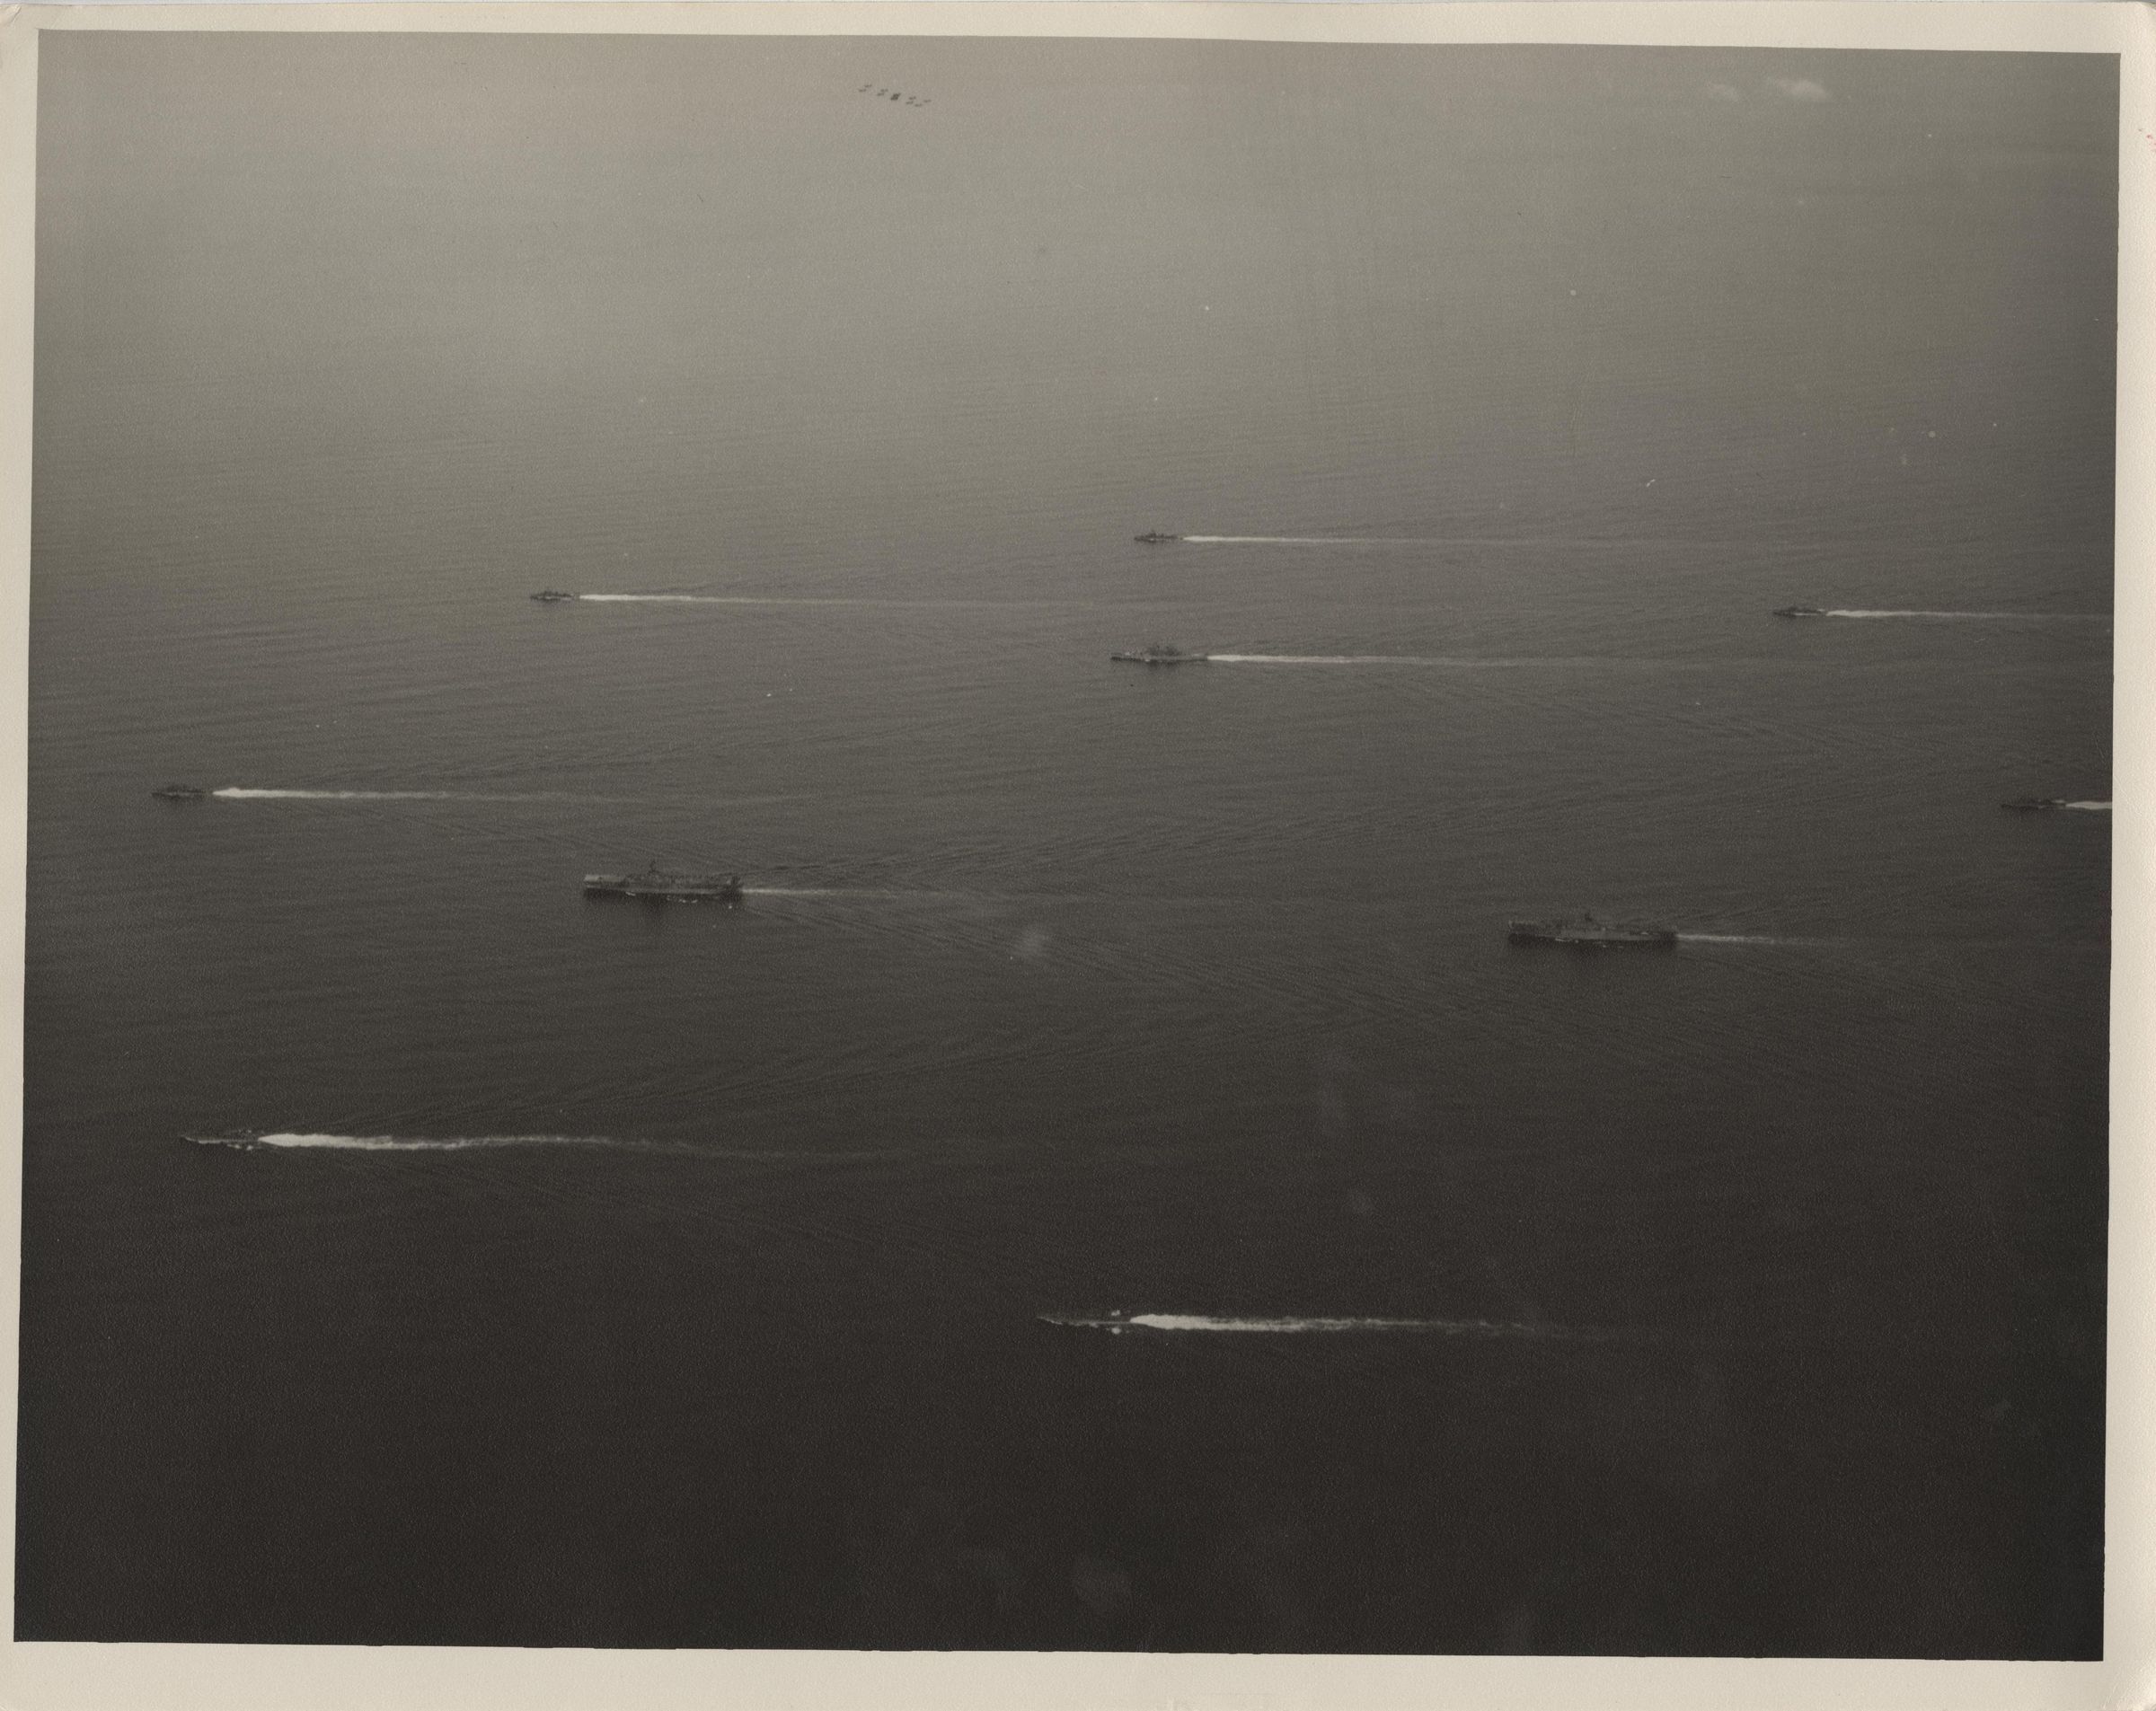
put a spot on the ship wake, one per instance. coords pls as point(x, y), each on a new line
point(239, 793)
point(1970, 617)
point(1524, 541)
point(668, 600)
point(1336, 659)
point(882, 893)
point(297, 1141)
point(1744, 939)
point(1304, 1327)
point(803, 600)
point(1317, 540)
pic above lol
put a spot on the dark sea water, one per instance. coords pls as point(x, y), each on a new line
point(690, 1288)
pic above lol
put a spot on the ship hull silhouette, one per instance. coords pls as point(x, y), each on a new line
point(1586, 933)
point(657, 886)
point(1159, 657)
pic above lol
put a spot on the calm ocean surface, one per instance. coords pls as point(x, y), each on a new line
point(1770, 1271)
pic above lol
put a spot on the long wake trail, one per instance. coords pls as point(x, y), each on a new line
point(832, 891)
point(1969, 617)
point(1343, 660)
point(249, 793)
point(1304, 1327)
point(1323, 540)
point(806, 600)
point(298, 1140)
point(1750, 939)
point(1444, 540)
point(253, 793)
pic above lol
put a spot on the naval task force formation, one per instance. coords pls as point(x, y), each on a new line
point(1584, 931)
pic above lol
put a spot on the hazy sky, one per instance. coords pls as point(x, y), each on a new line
point(1549, 273)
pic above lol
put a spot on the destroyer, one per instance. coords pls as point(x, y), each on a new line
point(1161, 655)
point(550, 595)
point(1801, 611)
point(246, 1140)
point(1590, 934)
point(179, 793)
point(661, 886)
point(2036, 804)
point(1154, 538)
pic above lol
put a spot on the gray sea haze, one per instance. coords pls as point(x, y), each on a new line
point(618, 1275)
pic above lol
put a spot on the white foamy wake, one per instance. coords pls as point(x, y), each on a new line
point(717, 600)
point(1449, 662)
point(805, 600)
point(1525, 541)
point(293, 1140)
point(1330, 659)
point(416, 1143)
point(236, 793)
point(2091, 807)
point(1320, 1325)
point(1315, 540)
point(868, 891)
point(2024, 617)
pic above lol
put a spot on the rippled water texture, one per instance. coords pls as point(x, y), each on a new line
point(417, 1251)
